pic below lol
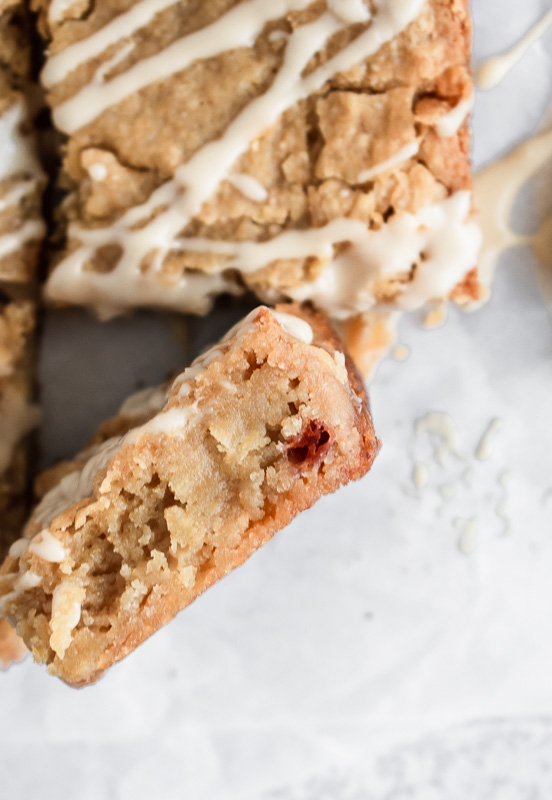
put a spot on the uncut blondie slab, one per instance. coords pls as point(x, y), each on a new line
point(305, 150)
point(141, 523)
point(21, 177)
point(21, 233)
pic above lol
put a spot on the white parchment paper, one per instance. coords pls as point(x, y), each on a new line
point(361, 653)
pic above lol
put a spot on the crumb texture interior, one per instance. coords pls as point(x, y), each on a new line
point(270, 425)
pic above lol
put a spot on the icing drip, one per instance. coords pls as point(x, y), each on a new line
point(239, 27)
point(441, 241)
point(127, 285)
point(249, 187)
point(495, 190)
point(408, 151)
point(58, 8)
point(450, 124)
point(492, 71)
point(62, 64)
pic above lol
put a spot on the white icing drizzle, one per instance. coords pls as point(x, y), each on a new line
point(295, 326)
point(495, 190)
point(450, 124)
point(29, 231)
point(75, 486)
point(47, 547)
point(18, 158)
point(408, 151)
point(58, 8)
point(27, 580)
point(492, 71)
point(18, 154)
point(350, 11)
point(239, 27)
point(60, 65)
point(249, 187)
point(197, 180)
point(443, 232)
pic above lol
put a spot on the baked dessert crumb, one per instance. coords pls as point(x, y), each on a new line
point(182, 486)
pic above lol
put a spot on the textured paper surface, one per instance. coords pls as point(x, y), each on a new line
point(361, 653)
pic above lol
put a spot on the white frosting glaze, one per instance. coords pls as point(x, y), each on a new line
point(450, 124)
point(406, 152)
point(197, 180)
point(18, 158)
point(239, 27)
point(30, 230)
point(18, 154)
point(47, 547)
point(295, 326)
point(76, 486)
point(58, 66)
point(58, 8)
point(443, 232)
point(249, 187)
point(18, 548)
point(27, 580)
point(350, 11)
point(492, 71)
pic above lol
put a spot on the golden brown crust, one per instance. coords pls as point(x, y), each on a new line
point(265, 425)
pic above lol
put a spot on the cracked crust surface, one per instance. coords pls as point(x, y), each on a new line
point(308, 162)
point(253, 433)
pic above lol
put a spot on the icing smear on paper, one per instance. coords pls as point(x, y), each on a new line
point(496, 188)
